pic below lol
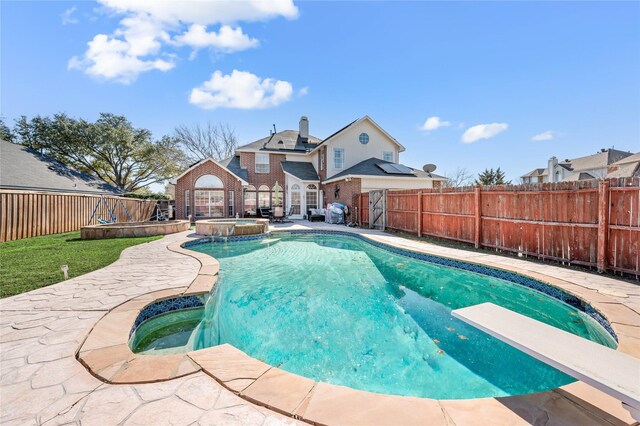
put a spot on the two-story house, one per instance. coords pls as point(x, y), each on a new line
point(298, 171)
point(582, 168)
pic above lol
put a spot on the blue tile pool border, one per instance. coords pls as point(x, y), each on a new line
point(513, 277)
point(167, 305)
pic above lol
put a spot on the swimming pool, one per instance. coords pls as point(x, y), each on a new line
point(339, 309)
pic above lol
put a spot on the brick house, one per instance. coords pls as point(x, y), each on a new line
point(298, 171)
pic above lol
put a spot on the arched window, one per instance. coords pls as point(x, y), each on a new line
point(250, 200)
point(312, 196)
point(277, 195)
point(295, 187)
point(209, 202)
point(209, 181)
point(264, 195)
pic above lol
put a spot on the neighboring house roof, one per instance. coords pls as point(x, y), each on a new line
point(301, 170)
point(26, 169)
point(371, 167)
point(627, 167)
point(286, 140)
point(599, 160)
point(228, 160)
point(359, 120)
point(536, 173)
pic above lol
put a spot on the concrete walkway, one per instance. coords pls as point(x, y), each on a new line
point(41, 382)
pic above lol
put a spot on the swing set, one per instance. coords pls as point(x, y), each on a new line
point(111, 212)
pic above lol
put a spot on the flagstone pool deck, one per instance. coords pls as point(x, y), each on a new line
point(44, 332)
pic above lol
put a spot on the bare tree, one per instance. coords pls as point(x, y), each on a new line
point(459, 177)
point(217, 141)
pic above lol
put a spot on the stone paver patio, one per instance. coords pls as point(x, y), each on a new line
point(42, 382)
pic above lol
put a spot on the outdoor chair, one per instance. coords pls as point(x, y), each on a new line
point(278, 214)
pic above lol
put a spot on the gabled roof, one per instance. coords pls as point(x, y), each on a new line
point(228, 160)
point(26, 169)
point(598, 160)
point(536, 172)
point(360, 120)
point(233, 165)
point(370, 167)
point(286, 140)
point(301, 170)
point(627, 167)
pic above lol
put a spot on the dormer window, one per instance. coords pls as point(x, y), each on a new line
point(363, 138)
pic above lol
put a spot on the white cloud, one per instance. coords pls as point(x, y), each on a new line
point(303, 91)
point(147, 28)
point(483, 131)
point(544, 136)
point(241, 90)
point(434, 123)
point(67, 18)
point(206, 12)
point(110, 58)
point(227, 39)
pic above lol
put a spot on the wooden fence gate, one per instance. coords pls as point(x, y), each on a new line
point(377, 209)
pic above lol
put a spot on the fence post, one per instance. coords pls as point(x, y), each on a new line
point(478, 211)
point(603, 224)
point(419, 214)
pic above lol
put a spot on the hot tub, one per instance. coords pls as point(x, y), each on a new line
point(231, 227)
point(133, 229)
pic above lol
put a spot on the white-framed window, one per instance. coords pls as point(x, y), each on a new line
point(187, 203)
point(312, 196)
point(231, 205)
point(295, 199)
point(250, 200)
point(388, 156)
point(338, 158)
point(322, 160)
point(209, 203)
point(209, 182)
point(264, 195)
point(262, 163)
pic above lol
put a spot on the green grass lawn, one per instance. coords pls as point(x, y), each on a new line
point(35, 262)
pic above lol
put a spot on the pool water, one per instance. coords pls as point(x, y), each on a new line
point(337, 309)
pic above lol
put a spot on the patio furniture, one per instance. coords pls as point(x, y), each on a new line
point(278, 214)
point(289, 213)
point(264, 212)
point(316, 215)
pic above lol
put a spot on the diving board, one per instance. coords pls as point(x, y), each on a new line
point(606, 369)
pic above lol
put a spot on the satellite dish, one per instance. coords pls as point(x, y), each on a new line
point(428, 168)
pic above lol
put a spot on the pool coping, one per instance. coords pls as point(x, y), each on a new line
point(106, 354)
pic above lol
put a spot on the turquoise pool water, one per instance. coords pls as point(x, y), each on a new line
point(340, 310)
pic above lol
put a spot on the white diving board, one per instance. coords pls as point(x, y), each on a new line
point(606, 369)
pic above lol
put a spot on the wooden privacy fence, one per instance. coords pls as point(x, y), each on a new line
point(30, 214)
point(590, 223)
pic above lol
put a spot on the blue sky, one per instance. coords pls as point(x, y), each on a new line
point(496, 74)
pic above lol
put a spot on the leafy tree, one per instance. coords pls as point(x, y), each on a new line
point(217, 141)
point(6, 134)
point(110, 148)
point(492, 177)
